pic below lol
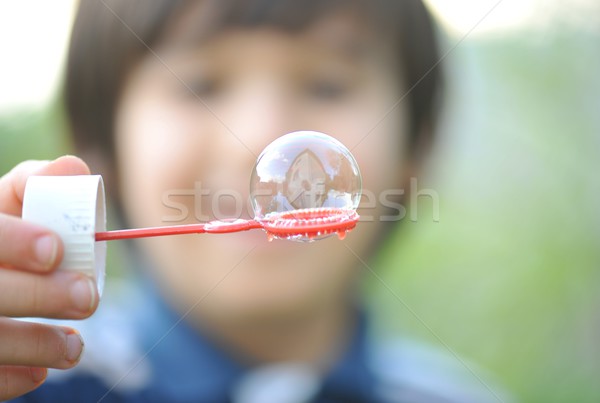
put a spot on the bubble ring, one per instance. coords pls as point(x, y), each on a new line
point(311, 222)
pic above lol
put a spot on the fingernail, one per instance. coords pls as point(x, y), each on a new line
point(83, 294)
point(46, 248)
point(74, 345)
point(38, 374)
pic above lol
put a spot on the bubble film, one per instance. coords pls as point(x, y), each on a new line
point(304, 176)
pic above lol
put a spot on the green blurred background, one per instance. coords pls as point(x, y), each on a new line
point(510, 276)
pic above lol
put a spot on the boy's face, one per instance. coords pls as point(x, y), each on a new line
point(254, 86)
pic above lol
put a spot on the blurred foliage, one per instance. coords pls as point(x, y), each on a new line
point(509, 277)
point(32, 134)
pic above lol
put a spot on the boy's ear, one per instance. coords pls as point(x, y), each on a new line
point(423, 144)
point(420, 150)
point(417, 156)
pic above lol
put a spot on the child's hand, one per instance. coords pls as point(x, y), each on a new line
point(31, 287)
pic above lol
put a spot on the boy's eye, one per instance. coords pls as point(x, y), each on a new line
point(328, 90)
point(202, 88)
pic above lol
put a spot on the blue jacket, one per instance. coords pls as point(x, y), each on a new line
point(138, 350)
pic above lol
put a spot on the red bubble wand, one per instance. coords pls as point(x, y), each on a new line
point(307, 223)
point(306, 186)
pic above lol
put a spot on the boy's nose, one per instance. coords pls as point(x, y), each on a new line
point(259, 115)
point(249, 122)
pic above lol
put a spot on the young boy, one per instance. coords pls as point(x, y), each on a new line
point(168, 95)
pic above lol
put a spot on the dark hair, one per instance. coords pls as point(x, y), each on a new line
point(110, 37)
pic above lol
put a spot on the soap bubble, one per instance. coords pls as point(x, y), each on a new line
point(303, 175)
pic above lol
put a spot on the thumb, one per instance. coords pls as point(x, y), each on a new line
point(12, 185)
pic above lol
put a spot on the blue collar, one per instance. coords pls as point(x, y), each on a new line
point(188, 366)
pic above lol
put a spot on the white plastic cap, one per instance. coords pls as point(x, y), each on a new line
point(73, 207)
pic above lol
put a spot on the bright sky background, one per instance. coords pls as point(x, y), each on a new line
point(34, 33)
point(487, 16)
point(490, 17)
point(33, 39)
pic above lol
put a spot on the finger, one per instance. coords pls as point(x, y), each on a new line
point(61, 294)
point(12, 185)
point(16, 381)
point(35, 344)
point(27, 246)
